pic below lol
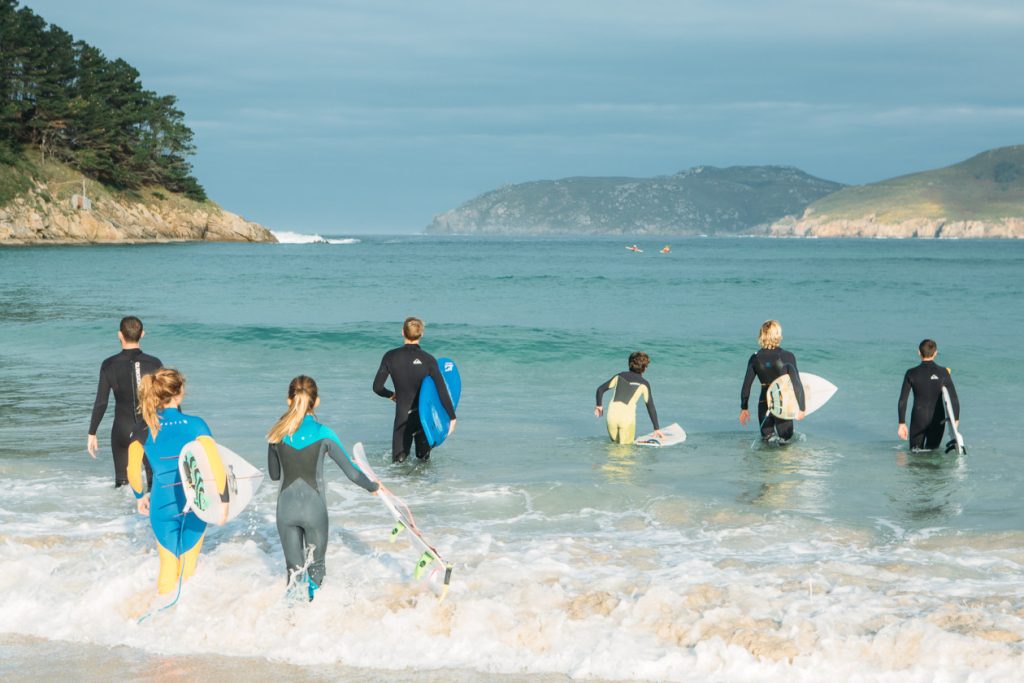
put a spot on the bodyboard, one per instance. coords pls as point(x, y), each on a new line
point(433, 417)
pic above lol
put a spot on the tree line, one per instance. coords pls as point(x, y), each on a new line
point(66, 99)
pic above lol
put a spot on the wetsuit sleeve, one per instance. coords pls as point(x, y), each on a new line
point(651, 410)
point(603, 388)
point(99, 406)
point(136, 453)
point(794, 376)
point(382, 376)
point(901, 407)
point(952, 395)
point(337, 451)
point(442, 390)
point(273, 462)
point(748, 379)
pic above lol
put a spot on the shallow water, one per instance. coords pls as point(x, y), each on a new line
point(840, 555)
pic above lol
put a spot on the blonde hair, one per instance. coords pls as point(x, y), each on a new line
point(156, 390)
point(302, 395)
point(412, 329)
point(771, 334)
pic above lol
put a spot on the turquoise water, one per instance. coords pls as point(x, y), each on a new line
point(840, 553)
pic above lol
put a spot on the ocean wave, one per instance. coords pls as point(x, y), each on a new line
point(287, 237)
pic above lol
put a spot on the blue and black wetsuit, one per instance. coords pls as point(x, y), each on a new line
point(121, 374)
point(179, 537)
point(768, 365)
point(298, 461)
point(408, 366)
point(928, 419)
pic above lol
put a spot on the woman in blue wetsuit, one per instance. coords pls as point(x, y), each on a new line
point(298, 444)
point(160, 436)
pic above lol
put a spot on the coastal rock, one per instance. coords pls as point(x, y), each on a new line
point(36, 218)
point(871, 226)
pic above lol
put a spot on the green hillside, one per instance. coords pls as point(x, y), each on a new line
point(986, 187)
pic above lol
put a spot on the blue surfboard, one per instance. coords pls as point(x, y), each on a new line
point(433, 416)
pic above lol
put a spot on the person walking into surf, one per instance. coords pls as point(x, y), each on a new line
point(630, 387)
point(160, 436)
point(122, 373)
point(295, 456)
point(928, 418)
point(408, 366)
point(769, 363)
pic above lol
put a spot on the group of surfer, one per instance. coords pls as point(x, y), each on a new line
point(667, 249)
point(767, 364)
point(149, 432)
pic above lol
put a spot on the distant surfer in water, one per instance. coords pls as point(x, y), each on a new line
point(630, 387)
point(298, 444)
point(768, 364)
point(408, 366)
point(928, 419)
point(159, 436)
point(121, 374)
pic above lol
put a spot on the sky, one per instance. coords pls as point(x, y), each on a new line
point(371, 116)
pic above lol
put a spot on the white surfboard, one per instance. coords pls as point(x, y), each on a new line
point(782, 399)
point(404, 521)
point(947, 404)
point(673, 434)
point(218, 482)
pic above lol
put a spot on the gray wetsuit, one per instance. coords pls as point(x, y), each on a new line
point(298, 461)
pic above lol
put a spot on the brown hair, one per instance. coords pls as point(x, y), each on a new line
point(156, 390)
point(927, 348)
point(770, 335)
point(302, 395)
point(131, 329)
point(638, 361)
point(412, 329)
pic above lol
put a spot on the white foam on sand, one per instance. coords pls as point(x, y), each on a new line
point(664, 592)
point(286, 237)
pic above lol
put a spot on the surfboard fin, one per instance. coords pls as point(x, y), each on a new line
point(421, 566)
point(447, 582)
point(398, 528)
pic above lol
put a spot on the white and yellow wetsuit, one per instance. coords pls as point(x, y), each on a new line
point(629, 388)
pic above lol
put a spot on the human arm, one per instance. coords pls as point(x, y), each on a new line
point(901, 408)
point(136, 452)
point(598, 409)
point(442, 393)
point(652, 412)
point(380, 378)
point(99, 407)
point(748, 380)
point(798, 386)
point(337, 451)
point(273, 462)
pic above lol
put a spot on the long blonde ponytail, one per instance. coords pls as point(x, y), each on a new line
point(302, 395)
point(156, 391)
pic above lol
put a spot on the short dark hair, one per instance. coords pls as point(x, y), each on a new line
point(638, 361)
point(131, 329)
point(927, 348)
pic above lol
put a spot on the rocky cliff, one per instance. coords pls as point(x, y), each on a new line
point(45, 214)
point(701, 200)
point(980, 197)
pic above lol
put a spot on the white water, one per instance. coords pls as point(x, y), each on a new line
point(286, 237)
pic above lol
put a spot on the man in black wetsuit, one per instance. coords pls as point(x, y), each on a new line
point(122, 374)
point(768, 364)
point(928, 420)
point(408, 365)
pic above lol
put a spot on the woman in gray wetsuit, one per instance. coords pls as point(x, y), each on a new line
point(298, 444)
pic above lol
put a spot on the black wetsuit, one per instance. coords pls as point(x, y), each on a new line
point(768, 365)
point(928, 419)
point(407, 366)
point(301, 504)
point(121, 373)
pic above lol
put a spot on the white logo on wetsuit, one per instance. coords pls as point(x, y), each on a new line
point(934, 377)
point(417, 362)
